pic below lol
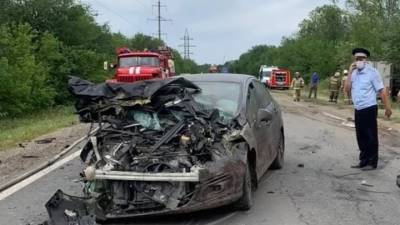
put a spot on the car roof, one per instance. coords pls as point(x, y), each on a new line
point(218, 77)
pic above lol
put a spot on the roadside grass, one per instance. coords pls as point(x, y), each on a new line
point(395, 110)
point(16, 130)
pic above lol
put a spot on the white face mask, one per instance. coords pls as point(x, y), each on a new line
point(360, 65)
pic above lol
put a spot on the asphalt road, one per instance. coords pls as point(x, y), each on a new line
point(316, 186)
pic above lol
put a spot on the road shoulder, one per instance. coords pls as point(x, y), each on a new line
point(28, 155)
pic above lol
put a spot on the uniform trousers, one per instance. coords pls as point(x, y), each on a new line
point(334, 95)
point(296, 94)
point(367, 135)
point(313, 89)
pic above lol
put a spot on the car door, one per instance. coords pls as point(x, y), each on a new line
point(258, 130)
point(269, 129)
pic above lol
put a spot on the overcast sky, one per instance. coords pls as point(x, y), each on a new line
point(221, 29)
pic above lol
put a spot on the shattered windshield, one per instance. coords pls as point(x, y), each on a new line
point(126, 62)
point(221, 95)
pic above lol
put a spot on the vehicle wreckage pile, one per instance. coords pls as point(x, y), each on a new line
point(153, 143)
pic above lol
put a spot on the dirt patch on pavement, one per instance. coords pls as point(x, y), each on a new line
point(29, 155)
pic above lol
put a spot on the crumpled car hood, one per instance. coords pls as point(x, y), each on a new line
point(119, 91)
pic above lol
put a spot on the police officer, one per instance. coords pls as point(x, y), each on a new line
point(297, 85)
point(334, 86)
point(365, 82)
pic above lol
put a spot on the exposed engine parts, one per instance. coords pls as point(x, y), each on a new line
point(154, 145)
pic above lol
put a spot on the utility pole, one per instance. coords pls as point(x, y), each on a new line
point(186, 45)
point(159, 18)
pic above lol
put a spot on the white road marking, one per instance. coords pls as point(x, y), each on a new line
point(298, 104)
point(222, 219)
point(349, 124)
point(333, 116)
point(37, 176)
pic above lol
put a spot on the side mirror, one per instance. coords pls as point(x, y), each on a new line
point(264, 115)
point(105, 65)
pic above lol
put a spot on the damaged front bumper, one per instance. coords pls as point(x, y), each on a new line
point(137, 176)
point(216, 186)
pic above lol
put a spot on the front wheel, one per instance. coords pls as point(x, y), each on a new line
point(246, 201)
point(279, 160)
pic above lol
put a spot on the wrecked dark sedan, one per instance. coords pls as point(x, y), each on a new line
point(172, 146)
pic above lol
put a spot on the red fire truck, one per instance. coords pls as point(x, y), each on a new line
point(213, 69)
point(274, 77)
point(143, 65)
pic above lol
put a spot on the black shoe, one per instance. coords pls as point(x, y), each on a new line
point(368, 167)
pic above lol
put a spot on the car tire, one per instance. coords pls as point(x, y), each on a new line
point(246, 201)
point(280, 156)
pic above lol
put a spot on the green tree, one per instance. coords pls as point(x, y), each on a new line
point(141, 41)
point(315, 47)
point(184, 65)
point(374, 25)
point(328, 23)
point(24, 77)
point(42, 42)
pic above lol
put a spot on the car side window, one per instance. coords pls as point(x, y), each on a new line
point(263, 97)
point(251, 104)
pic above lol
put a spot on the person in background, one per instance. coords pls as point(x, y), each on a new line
point(346, 96)
point(398, 96)
point(297, 85)
point(334, 86)
point(314, 85)
point(364, 82)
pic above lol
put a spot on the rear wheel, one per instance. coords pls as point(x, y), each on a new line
point(279, 160)
point(246, 201)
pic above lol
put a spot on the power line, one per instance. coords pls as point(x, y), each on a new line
point(113, 12)
point(186, 45)
point(118, 14)
point(140, 2)
point(159, 18)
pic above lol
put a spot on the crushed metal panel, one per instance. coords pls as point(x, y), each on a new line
point(68, 210)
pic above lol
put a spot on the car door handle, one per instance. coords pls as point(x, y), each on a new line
point(263, 124)
point(276, 108)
